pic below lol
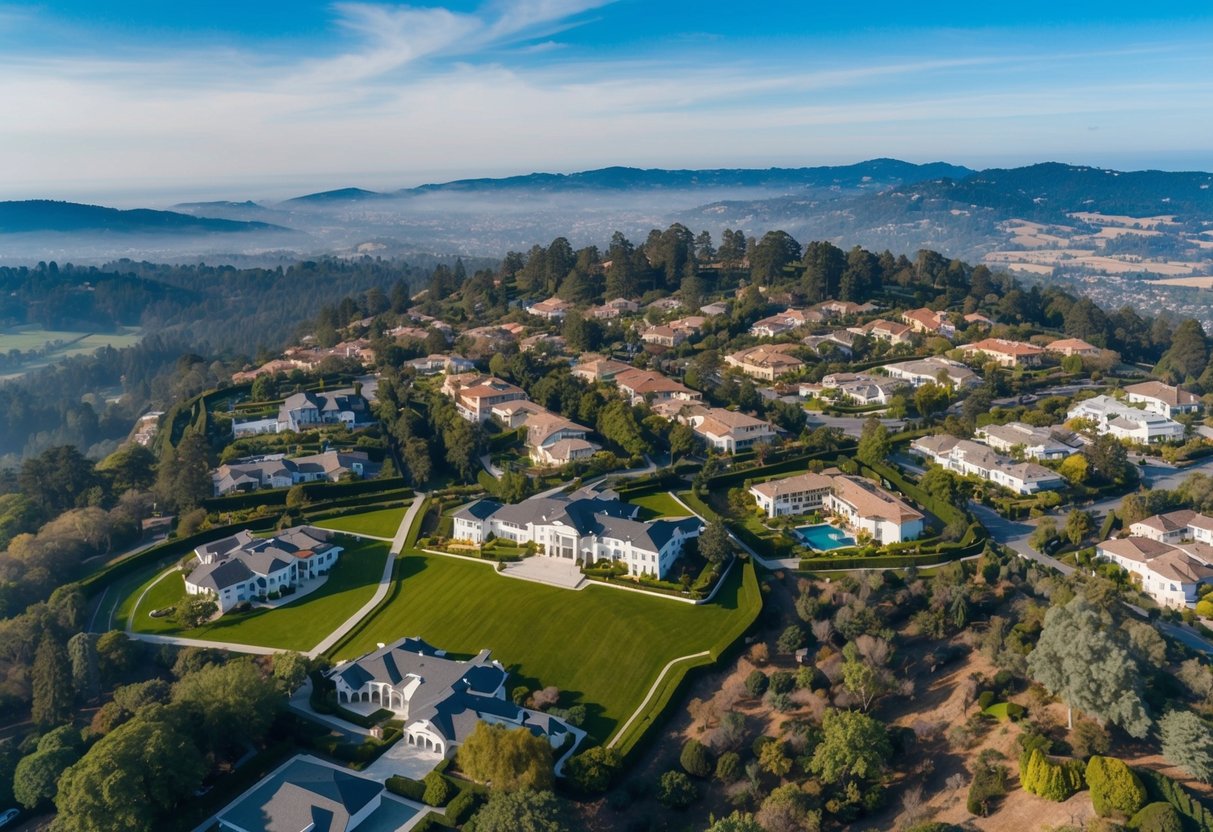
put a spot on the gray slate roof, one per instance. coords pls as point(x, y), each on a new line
point(302, 794)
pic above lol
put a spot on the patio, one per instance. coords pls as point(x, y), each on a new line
point(544, 570)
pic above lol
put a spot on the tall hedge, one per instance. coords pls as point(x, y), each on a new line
point(1115, 790)
point(1156, 817)
point(1053, 781)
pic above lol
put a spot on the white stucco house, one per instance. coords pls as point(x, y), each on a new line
point(1169, 573)
point(969, 458)
point(1035, 443)
point(440, 700)
point(582, 527)
point(1124, 421)
point(862, 505)
point(800, 494)
point(1175, 526)
point(1164, 399)
point(245, 568)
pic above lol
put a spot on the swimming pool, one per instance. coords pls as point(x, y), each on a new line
point(824, 537)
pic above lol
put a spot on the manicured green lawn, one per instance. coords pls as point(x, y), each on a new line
point(602, 647)
point(381, 523)
point(162, 592)
point(301, 624)
point(657, 505)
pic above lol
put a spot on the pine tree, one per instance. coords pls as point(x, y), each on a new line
point(86, 672)
point(52, 683)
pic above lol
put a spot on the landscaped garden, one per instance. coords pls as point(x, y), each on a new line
point(299, 625)
point(601, 647)
point(381, 523)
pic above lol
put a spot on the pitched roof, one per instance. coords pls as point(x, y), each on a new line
point(1172, 521)
point(304, 795)
point(1002, 346)
point(870, 500)
point(811, 481)
point(1070, 345)
point(1166, 393)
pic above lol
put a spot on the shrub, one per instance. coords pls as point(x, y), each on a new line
point(696, 759)
point(728, 767)
point(986, 699)
point(782, 681)
point(676, 791)
point(1052, 781)
point(406, 787)
point(438, 790)
point(461, 807)
point(1156, 817)
point(591, 771)
point(1204, 608)
point(989, 784)
point(1115, 789)
point(756, 683)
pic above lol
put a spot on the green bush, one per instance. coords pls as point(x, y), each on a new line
point(989, 784)
point(696, 759)
point(592, 770)
point(1115, 790)
point(1204, 608)
point(1162, 788)
point(461, 807)
point(676, 791)
point(438, 789)
point(985, 699)
point(406, 787)
point(756, 683)
point(1053, 781)
point(728, 767)
point(1156, 817)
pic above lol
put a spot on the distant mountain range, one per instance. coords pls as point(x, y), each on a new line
point(42, 215)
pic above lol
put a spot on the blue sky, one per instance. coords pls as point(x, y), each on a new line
point(257, 98)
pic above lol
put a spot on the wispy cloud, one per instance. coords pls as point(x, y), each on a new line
point(411, 90)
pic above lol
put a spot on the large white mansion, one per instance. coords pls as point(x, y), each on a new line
point(583, 527)
point(440, 700)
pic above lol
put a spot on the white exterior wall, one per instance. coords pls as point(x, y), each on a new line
point(796, 502)
point(882, 531)
point(1166, 592)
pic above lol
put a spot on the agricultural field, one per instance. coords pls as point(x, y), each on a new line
point(299, 625)
point(601, 647)
point(66, 344)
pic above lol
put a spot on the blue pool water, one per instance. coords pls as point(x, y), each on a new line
point(824, 537)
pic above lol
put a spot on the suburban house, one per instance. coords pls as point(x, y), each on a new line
point(475, 395)
point(513, 414)
point(793, 495)
point(1170, 574)
point(842, 341)
point(883, 330)
point(1073, 346)
point(304, 410)
point(717, 308)
point(1175, 526)
point(277, 366)
point(781, 323)
point(434, 364)
point(862, 388)
point(439, 700)
point(843, 308)
point(665, 336)
point(1007, 353)
point(593, 368)
point(582, 527)
point(245, 568)
point(766, 361)
point(544, 342)
point(978, 320)
point(863, 505)
point(935, 369)
point(1124, 421)
point(554, 440)
point(553, 309)
point(665, 304)
point(1164, 399)
point(1034, 442)
point(728, 431)
point(275, 471)
point(929, 321)
point(307, 795)
point(615, 308)
point(650, 385)
point(974, 459)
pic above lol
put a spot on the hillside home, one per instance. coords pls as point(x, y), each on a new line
point(475, 395)
point(1163, 399)
point(1170, 574)
point(882, 330)
point(614, 308)
point(597, 368)
point(664, 336)
point(432, 365)
point(713, 309)
point(766, 361)
point(649, 385)
point(866, 507)
point(1175, 526)
point(1033, 442)
point(727, 431)
point(863, 389)
point(844, 308)
point(581, 528)
point(800, 494)
point(780, 323)
point(552, 439)
point(1006, 353)
point(929, 322)
point(1073, 346)
point(552, 309)
point(275, 471)
point(244, 568)
point(933, 369)
point(1127, 422)
point(303, 411)
point(440, 700)
point(974, 459)
point(840, 341)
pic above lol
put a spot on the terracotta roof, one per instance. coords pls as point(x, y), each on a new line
point(1003, 347)
point(1071, 345)
point(870, 500)
point(792, 485)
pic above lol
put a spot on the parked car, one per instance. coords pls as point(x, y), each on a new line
point(8, 816)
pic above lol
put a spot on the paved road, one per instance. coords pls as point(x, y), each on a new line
point(850, 425)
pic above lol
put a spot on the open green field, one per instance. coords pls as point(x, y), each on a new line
point(381, 523)
point(657, 505)
point(602, 647)
point(299, 625)
point(162, 591)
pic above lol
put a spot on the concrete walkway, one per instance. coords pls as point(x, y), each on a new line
point(385, 581)
point(652, 690)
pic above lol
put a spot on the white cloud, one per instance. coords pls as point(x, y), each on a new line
point(409, 99)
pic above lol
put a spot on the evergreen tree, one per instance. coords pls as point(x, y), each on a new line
point(86, 668)
point(52, 683)
point(1188, 354)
